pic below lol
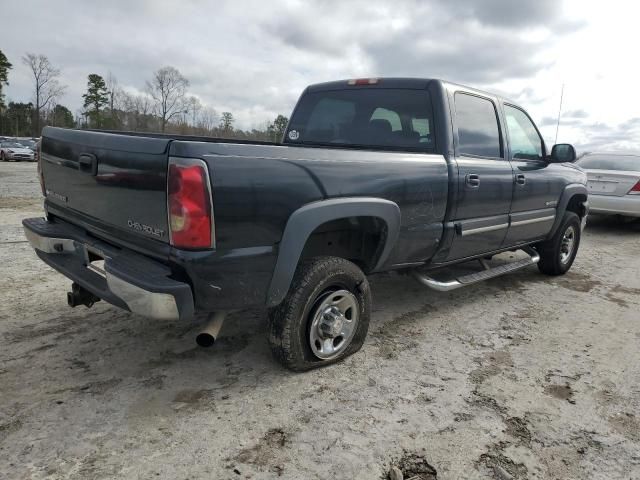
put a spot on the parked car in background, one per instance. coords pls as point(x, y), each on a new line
point(613, 183)
point(29, 143)
point(14, 151)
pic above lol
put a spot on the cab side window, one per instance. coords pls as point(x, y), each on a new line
point(524, 140)
point(478, 131)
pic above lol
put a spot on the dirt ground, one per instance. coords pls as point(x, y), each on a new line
point(523, 377)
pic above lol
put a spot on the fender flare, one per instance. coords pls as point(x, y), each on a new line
point(567, 194)
point(306, 219)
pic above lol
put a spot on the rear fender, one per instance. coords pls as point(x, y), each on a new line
point(306, 219)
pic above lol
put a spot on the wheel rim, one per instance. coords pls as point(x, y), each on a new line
point(567, 245)
point(333, 324)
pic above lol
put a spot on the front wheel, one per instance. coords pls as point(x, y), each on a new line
point(2, 157)
point(325, 316)
point(558, 253)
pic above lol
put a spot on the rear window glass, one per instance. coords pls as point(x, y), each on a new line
point(385, 118)
point(611, 162)
point(478, 132)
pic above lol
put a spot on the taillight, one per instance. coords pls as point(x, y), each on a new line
point(39, 168)
point(635, 190)
point(190, 204)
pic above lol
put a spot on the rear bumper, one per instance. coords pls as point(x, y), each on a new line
point(628, 205)
point(129, 280)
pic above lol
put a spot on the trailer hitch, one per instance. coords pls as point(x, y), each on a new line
point(80, 296)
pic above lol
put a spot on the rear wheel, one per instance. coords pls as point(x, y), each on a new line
point(558, 253)
point(2, 157)
point(324, 317)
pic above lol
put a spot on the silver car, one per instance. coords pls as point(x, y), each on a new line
point(14, 151)
point(613, 183)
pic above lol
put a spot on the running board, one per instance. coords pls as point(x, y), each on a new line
point(480, 276)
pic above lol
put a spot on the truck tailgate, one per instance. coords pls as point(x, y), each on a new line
point(117, 181)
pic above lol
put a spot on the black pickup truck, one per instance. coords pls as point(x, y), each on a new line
point(372, 175)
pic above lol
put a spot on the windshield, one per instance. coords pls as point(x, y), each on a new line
point(386, 118)
point(27, 143)
point(610, 162)
point(12, 145)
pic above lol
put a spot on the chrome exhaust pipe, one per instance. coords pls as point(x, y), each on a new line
point(209, 334)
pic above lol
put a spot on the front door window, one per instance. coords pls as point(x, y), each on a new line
point(524, 139)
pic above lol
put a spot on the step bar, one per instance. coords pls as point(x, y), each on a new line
point(463, 281)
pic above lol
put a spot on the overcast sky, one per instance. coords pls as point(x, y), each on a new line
point(253, 58)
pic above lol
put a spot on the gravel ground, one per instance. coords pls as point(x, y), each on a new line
point(522, 377)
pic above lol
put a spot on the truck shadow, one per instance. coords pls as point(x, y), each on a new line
point(80, 345)
point(612, 224)
point(105, 352)
point(110, 344)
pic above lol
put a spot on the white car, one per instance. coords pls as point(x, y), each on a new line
point(13, 151)
point(613, 183)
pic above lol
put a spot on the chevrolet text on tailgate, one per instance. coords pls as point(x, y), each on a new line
point(372, 175)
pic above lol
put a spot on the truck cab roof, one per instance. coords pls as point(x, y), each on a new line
point(397, 82)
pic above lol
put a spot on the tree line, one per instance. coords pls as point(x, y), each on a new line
point(164, 105)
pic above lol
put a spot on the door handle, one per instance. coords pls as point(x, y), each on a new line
point(472, 180)
point(521, 179)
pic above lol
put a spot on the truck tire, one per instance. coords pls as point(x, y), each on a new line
point(325, 316)
point(558, 253)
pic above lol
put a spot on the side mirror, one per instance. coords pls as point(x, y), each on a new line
point(563, 152)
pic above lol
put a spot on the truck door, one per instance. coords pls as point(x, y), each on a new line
point(485, 177)
point(536, 187)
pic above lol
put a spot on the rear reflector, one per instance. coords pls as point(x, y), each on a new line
point(190, 204)
point(363, 81)
point(635, 190)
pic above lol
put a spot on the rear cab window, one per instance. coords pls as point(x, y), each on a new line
point(374, 118)
point(477, 122)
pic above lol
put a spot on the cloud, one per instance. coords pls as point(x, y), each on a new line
point(515, 15)
point(575, 114)
point(253, 58)
point(469, 42)
point(603, 137)
point(547, 121)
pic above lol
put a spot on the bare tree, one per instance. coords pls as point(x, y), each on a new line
point(138, 108)
point(113, 88)
point(47, 87)
point(168, 89)
point(115, 99)
point(208, 119)
point(194, 107)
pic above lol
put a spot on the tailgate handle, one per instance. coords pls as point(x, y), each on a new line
point(88, 163)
